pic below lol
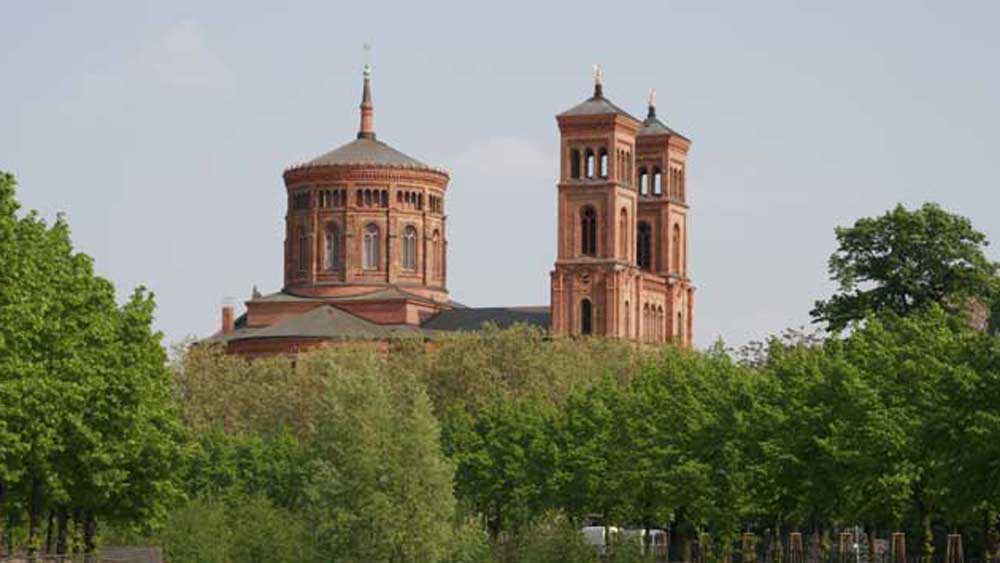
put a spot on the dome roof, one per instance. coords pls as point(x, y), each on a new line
point(365, 152)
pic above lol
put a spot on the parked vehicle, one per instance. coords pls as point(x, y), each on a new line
point(601, 538)
point(653, 541)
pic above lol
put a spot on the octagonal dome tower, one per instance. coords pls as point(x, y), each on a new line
point(365, 219)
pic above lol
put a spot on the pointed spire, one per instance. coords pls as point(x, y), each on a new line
point(652, 104)
point(598, 81)
point(367, 130)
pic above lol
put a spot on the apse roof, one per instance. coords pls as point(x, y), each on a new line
point(329, 322)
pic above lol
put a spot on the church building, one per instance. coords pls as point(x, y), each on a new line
point(366, 242)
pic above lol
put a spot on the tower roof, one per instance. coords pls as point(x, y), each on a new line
point(596, 104)
point(652, 125)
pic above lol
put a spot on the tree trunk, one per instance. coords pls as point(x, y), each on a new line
point(3, 519)
point(8, 538)
point(990, 536)
point(34, 516)
point(927, 542)
point(63, 521)
point(90, 530)
point(48, 531)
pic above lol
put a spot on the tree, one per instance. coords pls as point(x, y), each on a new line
point(904, 261)
point(86, 400)
point(505, 458)
point(380, 488)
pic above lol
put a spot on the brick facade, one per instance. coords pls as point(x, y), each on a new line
point(621, 265)
point(366, 242)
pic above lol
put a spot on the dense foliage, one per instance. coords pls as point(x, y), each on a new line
point(892, 428)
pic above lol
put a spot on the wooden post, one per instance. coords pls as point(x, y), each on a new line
point(954, 552)
point(795, 547)
point(898, 550)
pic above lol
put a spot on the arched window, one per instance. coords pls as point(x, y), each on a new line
point(410, 248)
point(657, 182)
point(604, 163)
point(623, 234)
point(589, 156)
point(643, 182)
point(586, 317)
point(644, 246)
point(660, 319)
point(372, 247)
point(628, 324)
point(360, 198)
point(628, 167)
point(332, 247)
point(680, 185)
point(679, 333)
point(588, 231)
point(645, 322)
point(385, 198)
point(438, 254)
point(676, 258)
point(574, 163)
point(303, 243)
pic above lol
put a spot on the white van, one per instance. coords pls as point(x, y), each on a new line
point(600, 537)
point(658, 540)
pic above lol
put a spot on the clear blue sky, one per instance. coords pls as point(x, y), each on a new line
point(161, 129)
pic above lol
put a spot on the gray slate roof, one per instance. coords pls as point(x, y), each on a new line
point(332, 323)
point(653, 126)
point(596, 105)
point(474, 318)
point(366, 152)
point(328, 322)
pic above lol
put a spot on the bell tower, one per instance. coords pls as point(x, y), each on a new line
point(594, 281)
point(662, 230)
point(622, 262)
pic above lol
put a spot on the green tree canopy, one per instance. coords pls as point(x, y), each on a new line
point(88, 430)
point(903, 261)
point(380, 488)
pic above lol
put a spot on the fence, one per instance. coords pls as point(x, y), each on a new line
point(841, 548)
point(107, 555)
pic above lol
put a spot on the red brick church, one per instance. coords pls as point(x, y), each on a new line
point(366, 242)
